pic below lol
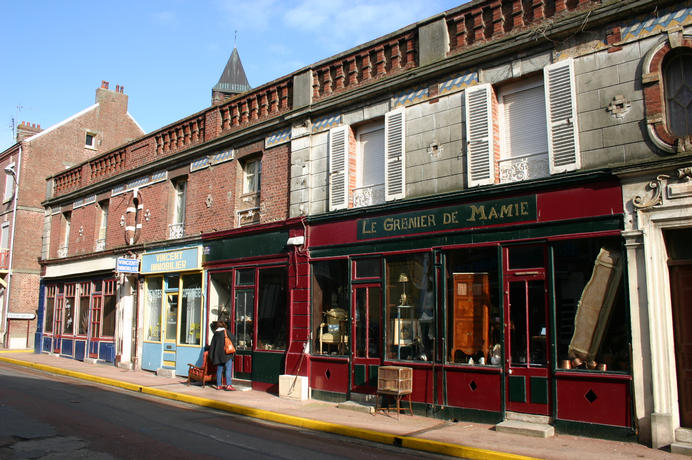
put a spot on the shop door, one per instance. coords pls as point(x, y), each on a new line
point(244, 330)
point(57, 323)
point(366, 330)
point(681, 293)
point(526, 333)
point(171, 326)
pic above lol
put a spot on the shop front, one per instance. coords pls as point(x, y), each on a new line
point(172, 310)
point(507, 303)
point(251, 284)
point(80, 300)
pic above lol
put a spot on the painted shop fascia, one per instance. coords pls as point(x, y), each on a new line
point(416, 260)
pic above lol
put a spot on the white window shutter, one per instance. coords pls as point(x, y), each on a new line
point(338, 168)
point(480, 163)
point(561, 111)
point(394, 155)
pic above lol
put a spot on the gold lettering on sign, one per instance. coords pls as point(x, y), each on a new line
point(450, 218)
point(393, 224)
point(369, 227)
point(492, 213)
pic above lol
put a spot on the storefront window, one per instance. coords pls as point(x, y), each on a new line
point(50, 305)
point(108, 328)
point(410, 307)
point(220, 288)
point(474, 318)
point(152, 312)
point(592, 320)
point(272, 312)
point(191, 310)
point(330, 307)
point(172, 282)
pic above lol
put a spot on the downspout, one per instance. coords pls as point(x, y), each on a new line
point(10, 267)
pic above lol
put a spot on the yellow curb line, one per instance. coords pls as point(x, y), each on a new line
point(22, 350)
point(426, 445)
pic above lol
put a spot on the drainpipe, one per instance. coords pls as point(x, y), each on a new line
point(14, 225)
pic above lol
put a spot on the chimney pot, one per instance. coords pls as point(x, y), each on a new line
point(122, 89)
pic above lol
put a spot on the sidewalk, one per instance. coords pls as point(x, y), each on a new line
point(461, 439)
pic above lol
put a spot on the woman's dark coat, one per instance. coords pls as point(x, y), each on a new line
point(216, 352)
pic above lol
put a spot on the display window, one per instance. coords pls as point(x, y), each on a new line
point(84, 296)
point(69, 313)
point(474, 312)
point(190, 310)
point(50, 307)
point(152, 310)
point(330, 306)
point(591, 309)
point(103, 309)
point(410, 307)
point(272, 309)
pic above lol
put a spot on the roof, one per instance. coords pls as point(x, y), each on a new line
point(233, 79)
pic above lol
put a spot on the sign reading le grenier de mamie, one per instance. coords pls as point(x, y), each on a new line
point(480, 214)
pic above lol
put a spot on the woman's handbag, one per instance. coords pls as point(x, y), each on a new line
point(228, 346)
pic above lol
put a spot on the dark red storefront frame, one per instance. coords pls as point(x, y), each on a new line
point(598, 200)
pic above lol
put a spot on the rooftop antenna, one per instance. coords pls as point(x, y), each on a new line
point(235, 40)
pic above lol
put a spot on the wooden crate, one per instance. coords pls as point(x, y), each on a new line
point(394, 380)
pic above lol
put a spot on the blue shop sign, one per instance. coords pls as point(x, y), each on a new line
point(171, 261)
point(126, 265)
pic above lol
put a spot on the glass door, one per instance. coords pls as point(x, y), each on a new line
point(57, 325)
point(366, 327)
point(526, 331)
point(170, 320)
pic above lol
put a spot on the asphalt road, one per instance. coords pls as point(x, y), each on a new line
point(43, 416)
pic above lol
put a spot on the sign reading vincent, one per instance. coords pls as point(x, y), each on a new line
point(171, 261)
point(481, 214)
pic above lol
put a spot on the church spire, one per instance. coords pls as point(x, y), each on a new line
point(233, 80)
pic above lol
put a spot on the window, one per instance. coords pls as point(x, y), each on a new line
point(252, 171)
point(152, 311)
point(330, 307)
point(9, 183)
point(371, 172)
point(90, 140)
point(410, 307)
point(533, 117)
point(104, 219)
point(272, 309)
point(191, 310)
point(62, 251)
point(5, 236)
point(176, 228)
point(588, 277)
point(524, 149)
point(103, 309)
point(474, 315)
point(677, 69)
point(50, 308)
point(245, 308)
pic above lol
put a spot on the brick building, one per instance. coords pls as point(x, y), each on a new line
point(470, 196)
point(37, 154)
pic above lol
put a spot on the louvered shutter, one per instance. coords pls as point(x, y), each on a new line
point(480, 163)
point(561, 111)
point(338, 168)
point(395, 155)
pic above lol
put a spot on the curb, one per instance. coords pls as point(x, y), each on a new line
point(437, 447)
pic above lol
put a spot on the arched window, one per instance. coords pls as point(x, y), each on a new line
point(677, 83)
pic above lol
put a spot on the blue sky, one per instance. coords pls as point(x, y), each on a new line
point(169, 54)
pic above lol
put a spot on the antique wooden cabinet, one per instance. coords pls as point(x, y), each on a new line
point(470, 316)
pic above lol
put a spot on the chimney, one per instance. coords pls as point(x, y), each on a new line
point(25, 130)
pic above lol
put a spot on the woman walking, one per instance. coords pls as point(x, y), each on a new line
point(222, 360)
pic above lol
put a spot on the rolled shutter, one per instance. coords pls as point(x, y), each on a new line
point(480, 163)
point(338, 168)
point(561, 111)
point(395, 155)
